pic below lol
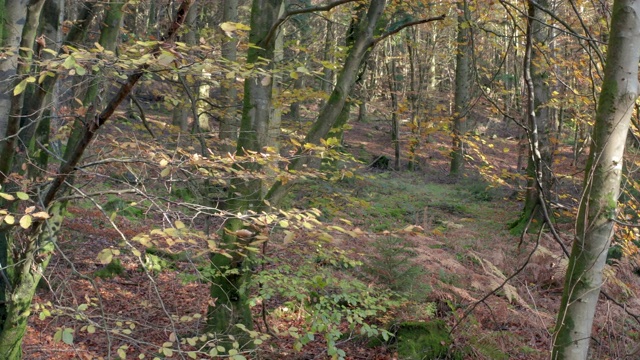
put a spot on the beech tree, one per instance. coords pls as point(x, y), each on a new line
point(599, 201)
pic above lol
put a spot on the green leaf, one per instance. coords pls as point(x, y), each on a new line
point(167, 352)
point(57, 336)
point(166, 58)
point(22, 196)
point(67, 336)
point(166, 171)
point(69, 62)
point(20, 87)
point(80, 70)
point(9, 219)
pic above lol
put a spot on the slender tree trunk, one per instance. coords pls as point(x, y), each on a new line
point(328, 75)
point(180, 113)
point(27, 40)
point(229, 119)
point(108, 40)
point(463, 89)
point(541, 127)
point(598, 206)
point(392, 76)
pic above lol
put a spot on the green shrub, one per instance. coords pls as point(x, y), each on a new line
point(424, 341)
point(391, 265)
point(119, 206)
point(326, 302)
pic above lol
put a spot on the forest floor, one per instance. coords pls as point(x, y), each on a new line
point(456, 232)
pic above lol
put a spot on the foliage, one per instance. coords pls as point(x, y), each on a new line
point(117, 206)
point(391, 264)
point(325, 300)
point(424, 340)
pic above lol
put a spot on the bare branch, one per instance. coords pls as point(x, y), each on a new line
point(406, 25)
point(291, 13)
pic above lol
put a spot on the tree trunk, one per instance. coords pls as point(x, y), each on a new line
point(463, 89)
point(541, 127)
point(256, 132)
point(598, 206)
point(229, 120)
point(393, 77)
point(108, 40)
point(329, 44)
point(14, 16)
point(329, 114)
point(29, 267)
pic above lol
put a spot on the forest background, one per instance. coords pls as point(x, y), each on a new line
point(343, 179)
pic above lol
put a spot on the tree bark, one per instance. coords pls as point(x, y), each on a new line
point(598, 207)
point(29, 267)
point(27, 39)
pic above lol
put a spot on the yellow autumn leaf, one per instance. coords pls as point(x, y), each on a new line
point(7, 196)
point(25, 221)
point(41, 215)
point(9, 219)
point(104, 257)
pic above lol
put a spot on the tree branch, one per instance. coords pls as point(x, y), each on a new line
point(405, 25)
point(291, 13)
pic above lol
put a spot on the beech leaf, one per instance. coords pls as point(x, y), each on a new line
point(25, 221)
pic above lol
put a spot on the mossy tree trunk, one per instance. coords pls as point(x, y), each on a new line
point(36, 245)
point(598, 206)
point(257, 131)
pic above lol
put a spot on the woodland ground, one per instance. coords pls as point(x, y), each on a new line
point(457, 232)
